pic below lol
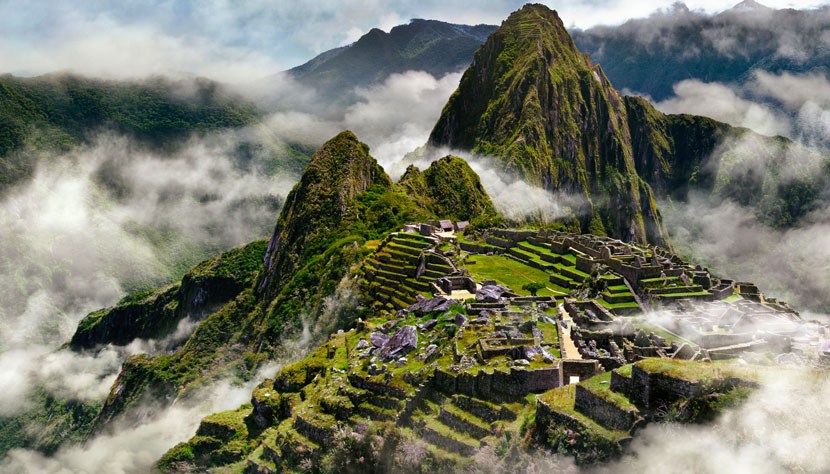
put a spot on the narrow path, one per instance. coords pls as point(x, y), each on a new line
point(566, 343)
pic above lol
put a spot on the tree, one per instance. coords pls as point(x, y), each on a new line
point(533, 287)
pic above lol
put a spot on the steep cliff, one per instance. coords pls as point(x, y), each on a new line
point(542, 110)
point(155, 313)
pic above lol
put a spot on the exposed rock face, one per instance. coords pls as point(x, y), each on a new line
point(339, 171)
point(401, 343)
point(491, 293)
point(203, 290)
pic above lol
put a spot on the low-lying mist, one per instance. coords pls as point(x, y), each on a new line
point(111, 217)
point(781, 428)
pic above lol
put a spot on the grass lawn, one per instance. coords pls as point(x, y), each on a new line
point(511, 273)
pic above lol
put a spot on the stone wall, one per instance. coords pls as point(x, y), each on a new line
point(498, 385)
point(318, 434)
point(376, 387)
point(577, 367)
point(461, 425)
point(514, 236)
point(450, 444)
point(482, 409)
point(620, 384)
point(652, 391)
point(502, 243)
point(602, 411)
point(480, 248)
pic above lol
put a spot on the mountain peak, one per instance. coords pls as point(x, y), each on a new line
point(541, 110)
point(337, 173)
point(749, 5)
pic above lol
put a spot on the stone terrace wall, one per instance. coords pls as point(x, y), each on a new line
point(602, 411)
point(499, 384)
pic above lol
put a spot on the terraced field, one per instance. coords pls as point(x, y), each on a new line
point(403, 267)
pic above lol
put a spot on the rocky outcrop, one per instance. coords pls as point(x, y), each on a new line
point(155, 314)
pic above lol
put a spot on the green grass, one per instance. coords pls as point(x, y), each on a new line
point(732, 298)
point(600, 385)
point(696, 372)
point(509, 272)
point(562, 400)
point(605, 304)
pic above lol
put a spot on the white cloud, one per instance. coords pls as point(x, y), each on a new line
point(723, 103)
point(781, 428)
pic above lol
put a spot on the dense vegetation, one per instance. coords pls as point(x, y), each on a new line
point(55, 112)
point(450, 189)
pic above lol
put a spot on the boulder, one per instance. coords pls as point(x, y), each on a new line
point(491, 293)
point(424, 306)
point(378, 339)
point(402, 342)
point(362, 344)
point(460, 320)
point(429, 325)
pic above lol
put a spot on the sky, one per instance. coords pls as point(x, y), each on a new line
point(241, 41)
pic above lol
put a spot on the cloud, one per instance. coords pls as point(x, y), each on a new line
point(723, 103)
point(62, 374)
point(781, 428)
point(112, 216)
point(792, 90)
point(129, 447)
point(514, 198)
point(393, 117)
point(791, 264)
point(242, 42)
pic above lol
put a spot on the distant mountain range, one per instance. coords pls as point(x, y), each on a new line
point(424, 45)
point(649, 55)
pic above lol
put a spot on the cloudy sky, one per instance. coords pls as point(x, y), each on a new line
point(239, 41)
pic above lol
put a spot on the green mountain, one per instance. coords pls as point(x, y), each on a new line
point(537, 105)
point(318, 204)
point(450, 188)
point(433, 46)
point(418, 380)
point(540, 109)
point(333, 217)
point(428, 350)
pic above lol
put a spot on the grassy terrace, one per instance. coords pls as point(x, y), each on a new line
point(600, 385)
point(511, 273)
point(662, 332)
point(605, 304)
point(697, 372)
point(562, 399)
